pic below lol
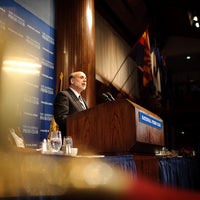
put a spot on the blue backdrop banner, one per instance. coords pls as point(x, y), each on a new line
point(31, 40)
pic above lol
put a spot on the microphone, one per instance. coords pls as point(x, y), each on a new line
point(106, 97)
point(110, 96)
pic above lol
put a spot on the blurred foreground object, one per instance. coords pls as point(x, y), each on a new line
point(19, 141)
point(37, 176)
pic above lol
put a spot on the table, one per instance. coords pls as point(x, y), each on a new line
point(25, 175)
point(181, 172)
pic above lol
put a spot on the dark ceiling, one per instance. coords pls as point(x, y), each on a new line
point(169, 28)
point(171, 31)
point(167, 20)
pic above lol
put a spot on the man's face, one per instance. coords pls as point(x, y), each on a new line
point(79, 81)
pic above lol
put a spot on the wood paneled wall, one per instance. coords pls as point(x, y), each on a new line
point(75, 47)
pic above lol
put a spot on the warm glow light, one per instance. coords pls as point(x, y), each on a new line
point(89, 17)
point(20, 70)
point(21, 66)
point(97, 173)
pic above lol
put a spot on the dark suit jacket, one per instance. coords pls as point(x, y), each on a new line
point(65, 104)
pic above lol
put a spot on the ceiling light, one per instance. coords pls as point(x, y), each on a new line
point(182, 132)
point(188, 57)
point(195, 18)
point(194, 21)
point(197, 24)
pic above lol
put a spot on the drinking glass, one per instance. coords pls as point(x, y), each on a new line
point(56, 141)
point(68, 145)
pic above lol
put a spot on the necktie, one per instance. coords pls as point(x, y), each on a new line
point(82, 102)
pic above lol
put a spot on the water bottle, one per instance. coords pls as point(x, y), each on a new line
point(44, 146)
point(69, 144)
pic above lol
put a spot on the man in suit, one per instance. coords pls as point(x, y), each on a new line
point(70, 100)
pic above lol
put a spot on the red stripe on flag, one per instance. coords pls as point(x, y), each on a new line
point(147, 73)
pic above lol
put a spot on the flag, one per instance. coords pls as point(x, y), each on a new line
point(53, 125)
point(142, 57)
point(156, 69)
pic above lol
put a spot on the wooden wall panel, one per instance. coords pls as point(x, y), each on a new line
point(75, 37)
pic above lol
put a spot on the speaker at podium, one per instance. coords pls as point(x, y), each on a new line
point(116, 127)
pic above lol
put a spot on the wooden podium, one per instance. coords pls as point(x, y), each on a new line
point(116, 127)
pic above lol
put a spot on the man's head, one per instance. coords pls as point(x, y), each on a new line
point(78, 81)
